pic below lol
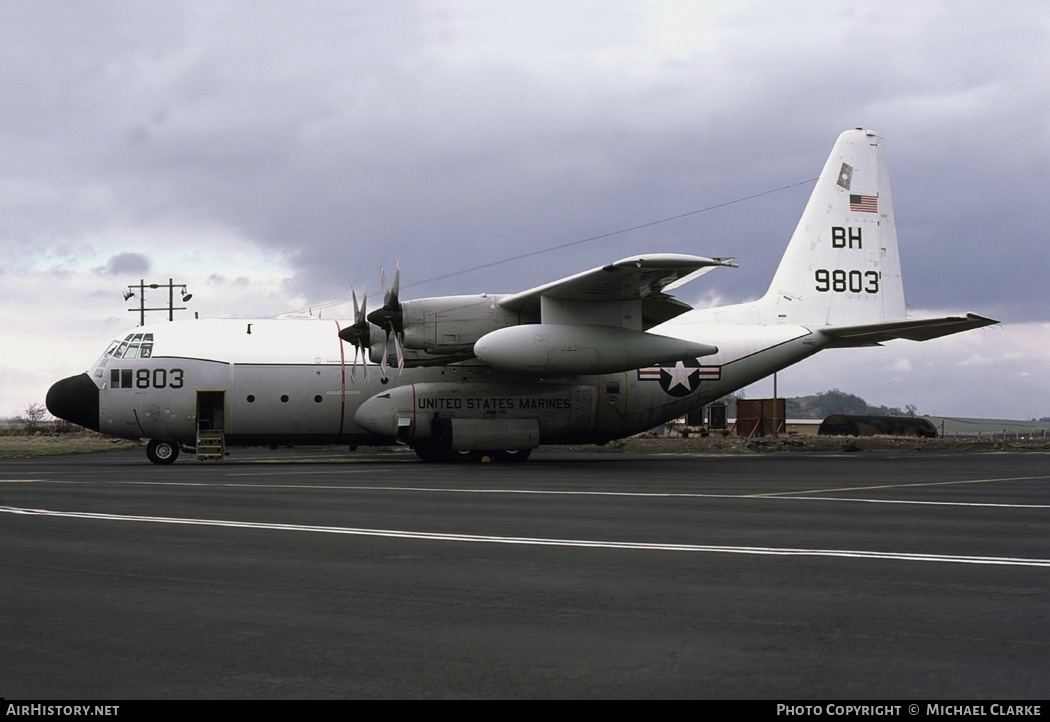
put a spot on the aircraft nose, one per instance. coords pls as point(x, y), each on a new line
point(75, 399)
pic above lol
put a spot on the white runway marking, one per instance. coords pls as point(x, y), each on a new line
point(790, 496)
point(899, 485)
point(532, 541)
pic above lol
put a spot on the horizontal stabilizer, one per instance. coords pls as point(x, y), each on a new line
point(917, 330)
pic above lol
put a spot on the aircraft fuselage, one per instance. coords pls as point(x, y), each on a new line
point(552, 364)
point(291, 382)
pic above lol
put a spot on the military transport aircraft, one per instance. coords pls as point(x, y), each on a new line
point(595, 356)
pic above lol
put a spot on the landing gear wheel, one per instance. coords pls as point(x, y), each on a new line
point(465, 457)
point(511, 456)
point(162, 452)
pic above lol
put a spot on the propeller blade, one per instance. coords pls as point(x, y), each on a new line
point(353, 368)
point(386, 351)
point(359, 334)
point(390, 318)
point(393, 298)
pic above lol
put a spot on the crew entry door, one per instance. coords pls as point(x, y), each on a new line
point(211, 425)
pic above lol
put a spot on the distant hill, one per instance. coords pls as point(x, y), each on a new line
point(826, 403)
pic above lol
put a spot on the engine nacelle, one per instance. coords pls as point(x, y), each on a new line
point(547, 349)
point(452, 324)
point(377, 338)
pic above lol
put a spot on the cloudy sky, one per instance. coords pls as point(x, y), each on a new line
point(272, 154)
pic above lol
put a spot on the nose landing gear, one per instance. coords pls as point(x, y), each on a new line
point(162, 452)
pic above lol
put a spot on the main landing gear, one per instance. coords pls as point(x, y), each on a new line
point(434, 453)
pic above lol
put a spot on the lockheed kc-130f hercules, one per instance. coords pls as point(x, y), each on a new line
point(589, 358)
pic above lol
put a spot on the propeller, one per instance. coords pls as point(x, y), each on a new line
point(359, 334)
point(391, 319)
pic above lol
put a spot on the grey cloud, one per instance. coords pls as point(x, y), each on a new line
point(126, 264)
point(355, 135)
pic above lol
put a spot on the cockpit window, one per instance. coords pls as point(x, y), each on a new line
point(135, 345)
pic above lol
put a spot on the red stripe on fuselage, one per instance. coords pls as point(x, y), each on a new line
point(342, 379)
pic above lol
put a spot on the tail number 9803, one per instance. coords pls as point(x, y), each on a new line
point(840, 281)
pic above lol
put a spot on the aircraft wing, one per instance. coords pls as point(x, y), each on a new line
point(918, 330)
point(641, 278)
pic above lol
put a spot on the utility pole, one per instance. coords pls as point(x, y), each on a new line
point(170, 308)
point(776, 427)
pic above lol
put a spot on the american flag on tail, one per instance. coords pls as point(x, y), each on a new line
point(864, 204)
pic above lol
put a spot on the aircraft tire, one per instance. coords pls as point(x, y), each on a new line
point(434, 453)
point(465, 457)
point(162, 452)
point(511, 456)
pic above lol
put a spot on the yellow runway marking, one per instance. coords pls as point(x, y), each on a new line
point(899, 486)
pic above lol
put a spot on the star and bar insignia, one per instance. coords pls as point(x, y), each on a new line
point(681, 377)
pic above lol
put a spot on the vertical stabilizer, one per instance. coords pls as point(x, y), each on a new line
point(841, 266)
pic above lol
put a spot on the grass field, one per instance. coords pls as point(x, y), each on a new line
point(19, 446)
point(22, 446)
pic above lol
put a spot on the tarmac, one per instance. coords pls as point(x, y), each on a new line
point(321, 574)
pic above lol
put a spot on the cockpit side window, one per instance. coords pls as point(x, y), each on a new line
point(134, 345)
point(104, 359)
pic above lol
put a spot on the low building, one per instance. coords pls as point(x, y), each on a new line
point(868, 425)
